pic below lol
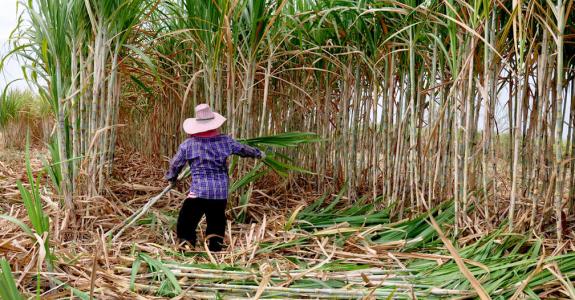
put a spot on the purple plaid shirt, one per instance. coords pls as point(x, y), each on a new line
point(207, 158)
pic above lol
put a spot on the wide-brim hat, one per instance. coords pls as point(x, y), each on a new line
point(205, 120)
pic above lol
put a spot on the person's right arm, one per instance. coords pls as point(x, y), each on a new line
point(245, 150)
point(176, 164)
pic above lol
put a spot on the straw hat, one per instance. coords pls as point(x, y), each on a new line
point(205, 120)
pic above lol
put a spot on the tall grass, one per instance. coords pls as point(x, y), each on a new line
point(16, 104)
point(40, 231)
point(31, 197)
point(20, 111)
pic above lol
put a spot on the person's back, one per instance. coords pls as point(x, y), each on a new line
point(207, 157)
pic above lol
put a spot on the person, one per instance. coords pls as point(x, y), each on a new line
point(206, 151)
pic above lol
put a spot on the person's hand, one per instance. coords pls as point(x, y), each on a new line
point(262, 155)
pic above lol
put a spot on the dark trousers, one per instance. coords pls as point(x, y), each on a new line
point(192, 211)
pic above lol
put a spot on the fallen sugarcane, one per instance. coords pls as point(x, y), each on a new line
point(503, 264)
point(138, 214)
point(363, 285)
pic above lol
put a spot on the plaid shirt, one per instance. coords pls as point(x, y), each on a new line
point(207, 158)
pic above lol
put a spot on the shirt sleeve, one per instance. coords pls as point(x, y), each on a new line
point(244, 150)
point(177, 163)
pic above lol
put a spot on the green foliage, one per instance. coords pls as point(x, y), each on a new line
point(363, 213)
point(48, 46)
point(9, 109)
point(272, 161)
point(283, 140)
point(169, 285)
point(8, 289)
point(417, 232)
point(135, 268)
point(506, 260)
point(33, 204)
point(243, 205)
point(18, 104)
point(54, 169)
point(251, 176)
point(31, 198)
point(287, 139)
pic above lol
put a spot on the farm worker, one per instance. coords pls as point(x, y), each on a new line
point(206, 151)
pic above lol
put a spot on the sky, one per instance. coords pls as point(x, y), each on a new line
point(8, 19)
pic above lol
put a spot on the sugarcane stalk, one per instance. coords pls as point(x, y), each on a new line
point(138, 214)
point(558, 165)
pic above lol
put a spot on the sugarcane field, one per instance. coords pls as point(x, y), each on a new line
point(287, 149)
